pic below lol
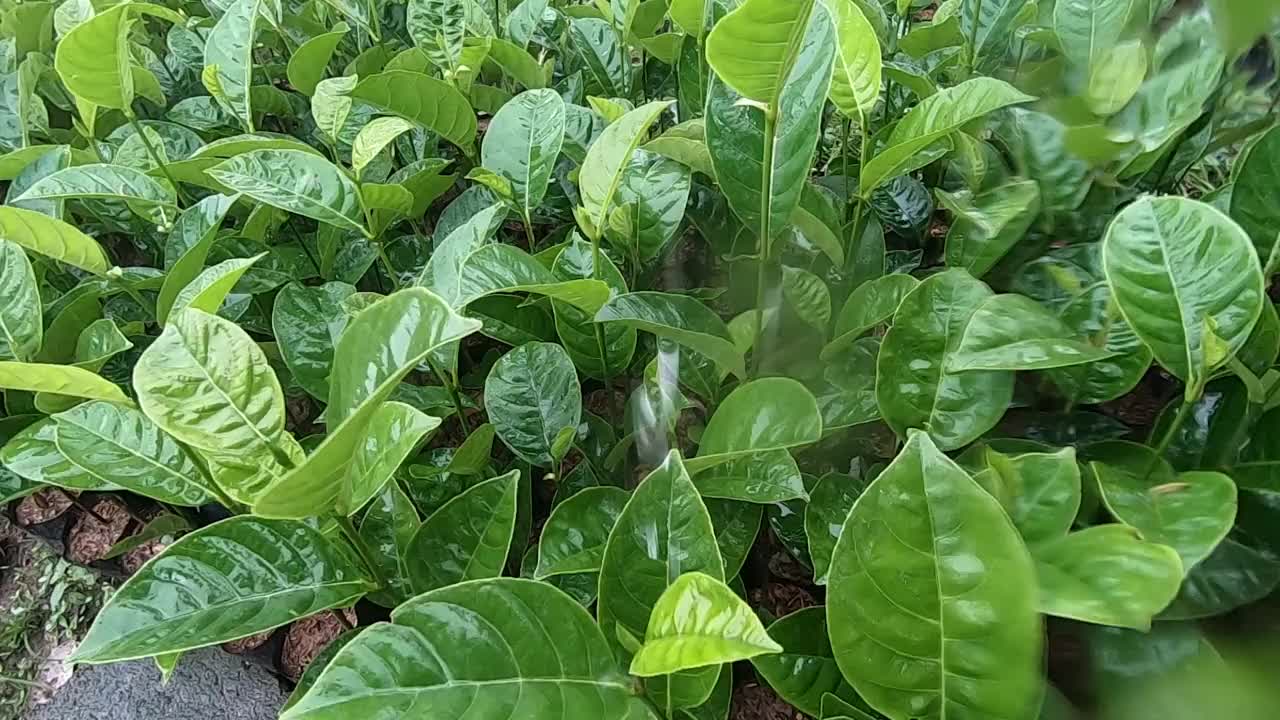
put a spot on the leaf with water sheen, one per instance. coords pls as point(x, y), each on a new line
point(531, 394)
point(431, 103)
point(522, 144)
point(765, 414)
point(931, 602)
point(21, 327)
point(575, 533)
point(53, 238)
point(1014, 332)
point(679, 318)
point(229, 52)
point(805, 671)
point(297, 182)
point(466, 539)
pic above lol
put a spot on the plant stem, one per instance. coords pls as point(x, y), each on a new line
point(387, 266)
point(155, 156)
point(353, 536)
point(601, 344)
point(844, 164)
point(528, 231)
point(454, 397)
point(762, 272)
point(973, 36)
point(1167, 438)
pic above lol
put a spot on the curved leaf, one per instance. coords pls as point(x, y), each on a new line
point(372, 138)
point(21, 326)
point(765, 477)
point(1255, 198)
point(100, 180)
point(855, 87)
point(229, 580)
point(575, 533)
point(824, 515)
point(93, 59)
point(806, 668)
point(210, 288)
point(388, 529)
point(294, 181)
point(228, 51)
point(53, 238)
point(699, 621)
point(307, 323)
point(602, 171)
point(501, 268)
point(932, 607)
point(575, 328)
point(33, 455)
point(762, 415)
point(307, 64)
point(753, 48)
point(466, 539)
point(870, 304)
point(1014, 332)
point(60, 380)
point(431, 103)
point(679, 318)
point(1188, 282)
point(532, 394)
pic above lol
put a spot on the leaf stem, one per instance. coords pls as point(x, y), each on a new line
point(973, 36)
point(353, 536)
point(387, 266)
point(155, 156)
point(1165, 440)
point(451, 388)
point(601, 344)
point(765, 243)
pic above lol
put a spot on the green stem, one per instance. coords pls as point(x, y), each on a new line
point(766, 251)
point(451, 387)
point(973, 36)
point(387, 266)
point(1167, 438)
point(528, 231)
point(844, 164)
point(353, 536)
point(155, 156)
point(601, 344)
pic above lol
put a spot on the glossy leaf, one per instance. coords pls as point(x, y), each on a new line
point(228, 51)
point(99, 180)
point(229, 580)
point(1014, 332)
point(388, 529)
point(607, 158)
point(1107, 575)
point(574, 536)
point(522, 144)
point(308, 321)
point(438, 27)
point(93, 59)
point(294, 181)
point(870, 304)
point(1256, 194)
point(569, 673)
point(466, 539)
point(21, 328)
point(1187, 281)
point(531, 395)
point(1040, 491)
point(988, 225)
point(805, 671)
point(431, 103)
point(699, 621)
point(188, 248)
point(60, 380)
point(931, 606)
point(53, 238)
point(914, 389)
point(575, 328)
point(855, 87)
point(764, 477)
point(824, 515)
point(680, 319)
point(753, 48)
point(307, 64)
point(762, 415)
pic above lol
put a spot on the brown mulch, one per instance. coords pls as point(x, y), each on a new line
point(247, 644)
point(308, 637)
point(1140, 407)
point(91, 538)
point(754, 701)
point(42, 506)
point(781, 599)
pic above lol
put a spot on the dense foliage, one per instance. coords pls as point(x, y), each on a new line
point(527, 322)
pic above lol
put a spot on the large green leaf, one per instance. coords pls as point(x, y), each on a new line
point(679, 318)
point(869, 305)
point(100, 180)
point(829, 504)
point(438, 27)
point(53, 238)
point(501, 268)
point(1187, 280)
point(21, 328)
point(650, 205)
point(32, 454)
point(93, 59)
point(1014, 332)
point(431, 103)
point(575, 533)
point(228, 51)
point(532, 394)
point(762, 158)
point(699, 621)
point(297, 182)
point(1086, 29)
point(522, 144)
point(601, 56)
point(806, 668)
point(933, 119)
point(932, 602)
point(575, 328)
point(388, 528)
point(307, 322)
point(1192, 514)
point(753, 48)
point(122, 447)
point(466, 539)
point(988, 225)
point(419, 661)
point(1255, 197)
point(442, 274)
point(914, 389)
point(855, 86)
point(762, 415)
point(663, 532)
point(307, 64)
point(66, 380)
point(1040, 491)
point(232, 579)
point(381, 345)
point(607, 158)
point(1107, 575)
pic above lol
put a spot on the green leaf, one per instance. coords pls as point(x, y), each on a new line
point(650, 205)
point(761, 415)
point(32, 454)
point(21, 327)
point(806, 668)
point(574, 536)
point(829, 504)
point(1234, 575)
point(1187, 281)
point(307, 323)
point(387, 529)
point(522, 144)
point(855, 87)
point(1086, 29)
point(663, 532)
point(1255, 199)
point(472, 456)
point(699, 621)
point(1192, 514)
point(1040, 491)
point(762, 159)
point(228, 57)
point(99, 180)
point(466, 539)
point(52, 238)
point(737, 525)
point(308, 63)
point(916, 561)
point(531, 394)
point(432, 104)
point(608, 157)
point(379, 347)
point(933, 119)
point(753, 48)
point(372, 138)
point(188, 247)
point(766, 477)
point(417, 661)
point(517, 63)
point(232, 579)
point(1116, 76)
point(870, 304)
point(331, 105)
point(59, 380)
point(679, 318)
point(808, 295)
point(601, 55)
point(296, 182)
point(93, 59)
point(914, 389)
point(123, 448)
point(1014, 332)
point(1106, 575)
point(575, 328)
point(438, 27)
point(985, 227)
point(211, 287)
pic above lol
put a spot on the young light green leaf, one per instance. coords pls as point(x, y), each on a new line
point(307, 64)
point(232, 579)
point(762, 415)
point(372, 138)
point(53, 238)
point(228, 57)
point(915, 559)
point(753, 48)
point(522, 144)
point(100, 180)
point(21, 326)
point(60, 380)
point(188, 247)
point(297, 182)
point(466, 539)
point(699, 621)
point(855, 87)
point(211, 287)
point(607, 158)
point(431, 103)
point(93, 59)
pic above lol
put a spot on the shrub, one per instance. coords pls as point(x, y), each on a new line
point(519, 322)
